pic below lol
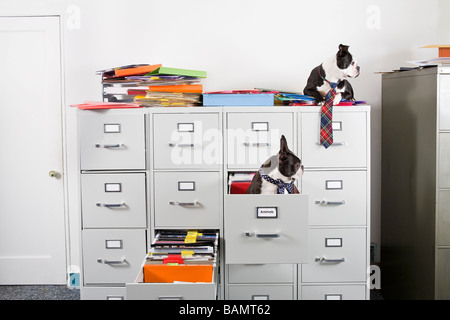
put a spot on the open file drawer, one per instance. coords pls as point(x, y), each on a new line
point(176, 281)
point(262, 229)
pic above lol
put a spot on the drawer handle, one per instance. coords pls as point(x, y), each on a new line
point(262, 235)
point(330, 203)
point(257, 144)
point(110, 205)
point(109, 146)
point(170, 297)
point(181, 145)
point(110, 262)
point(325, 260)
point(340, 143)
point(185, 204)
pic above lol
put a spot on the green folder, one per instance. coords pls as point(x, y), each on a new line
point(178, 72)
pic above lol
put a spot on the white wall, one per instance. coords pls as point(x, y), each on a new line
point(241, 44)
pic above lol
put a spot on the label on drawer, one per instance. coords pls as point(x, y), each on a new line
point(267, 212)
point(111, 128)
point(333, 242)
point(113, 187)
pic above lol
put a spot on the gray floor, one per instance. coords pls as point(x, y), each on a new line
point(47, 292)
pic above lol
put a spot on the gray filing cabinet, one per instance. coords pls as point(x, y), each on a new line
point(415, 220)
point(311, 246)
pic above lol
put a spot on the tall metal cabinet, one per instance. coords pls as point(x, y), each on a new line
point(415, 212)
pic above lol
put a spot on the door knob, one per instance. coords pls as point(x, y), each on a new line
point(53, 173)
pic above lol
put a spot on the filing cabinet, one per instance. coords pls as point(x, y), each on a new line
point(151, 169)
point(415, 211)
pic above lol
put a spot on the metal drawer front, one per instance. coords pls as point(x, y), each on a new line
point(336, 197)
point(111, 141)
point(266, 228)
point(336, 255)
point(186, 141)
point(139, 290)
point(334, 292)
point(349, 136)
point(112, 256)
point(444, 160)
point(260, 292)
point(253, 138)
point(187, 199)
point(261, 273)
point(113, 200)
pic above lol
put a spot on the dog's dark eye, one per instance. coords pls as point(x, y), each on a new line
point(353, 63)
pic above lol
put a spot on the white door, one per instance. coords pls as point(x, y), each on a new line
point(32, 216)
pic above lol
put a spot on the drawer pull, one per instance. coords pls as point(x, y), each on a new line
point(109, 146)
point(340, 143)
point(330, 203)
point(170, 297)
point(262, 235)
point(110, 262)
point(257, 144)
point(181, 145)
point(325, 260)
point(110, 205)
point(185, 204)
point(267, 235)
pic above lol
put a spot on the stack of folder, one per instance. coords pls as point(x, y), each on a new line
point(118, 82)
point(152, 85)
point(187, 256)
point(252, 97)
point(170, 87)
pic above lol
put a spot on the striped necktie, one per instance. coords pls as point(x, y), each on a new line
point(326, 117)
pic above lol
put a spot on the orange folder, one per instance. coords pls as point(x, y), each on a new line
point(170, 273)
point(184, 88)
point(136, 70)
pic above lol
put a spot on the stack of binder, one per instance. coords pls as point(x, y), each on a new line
point(117, 82)
point(152, 85)
point(170, 87)
point(177, 255)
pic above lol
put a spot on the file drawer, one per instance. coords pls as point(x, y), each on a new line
point(113, 200)
point(112, 256)
point(334, 292)
point(350, 141)
point(103, 293)
point(261, 273)
point(110, 141)
point(186, 141)
point(180, 265)
point(444, 102)
point(266, 228)
point(444, 160)
point(260, 292)
point(336, 255)
point(254, 137)
point(187, 199)
point(139, 290)
point(336, 197)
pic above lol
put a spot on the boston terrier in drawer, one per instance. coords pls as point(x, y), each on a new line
point(333, 71)
point(278, 173)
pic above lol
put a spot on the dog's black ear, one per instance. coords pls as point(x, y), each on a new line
point(284, 150)
point(343, 47)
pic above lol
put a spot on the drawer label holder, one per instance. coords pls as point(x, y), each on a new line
point(267, 212)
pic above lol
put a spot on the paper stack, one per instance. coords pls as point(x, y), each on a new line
point(170, 87)
point(117, 83)
point(152, 85)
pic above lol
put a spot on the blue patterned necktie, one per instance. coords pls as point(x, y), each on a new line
point(280, 184)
